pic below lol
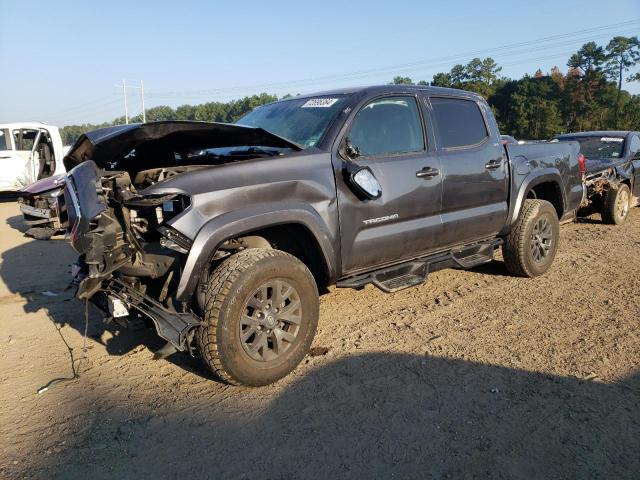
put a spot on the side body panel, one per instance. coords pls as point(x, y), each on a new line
point(475, 188)
point(536, 163)
point(634, 155)
point(233, 199)
point(405, 221)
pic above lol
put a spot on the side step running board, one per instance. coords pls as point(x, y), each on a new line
point(408, 274)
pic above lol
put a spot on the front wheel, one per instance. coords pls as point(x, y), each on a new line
point(531, 246)
point(616, 205)
point(260, 317)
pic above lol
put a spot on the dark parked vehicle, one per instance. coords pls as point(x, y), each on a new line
point(223, 235)
point(39, 206)
point(612, 176)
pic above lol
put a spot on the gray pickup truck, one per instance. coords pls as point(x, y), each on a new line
point(223, 235)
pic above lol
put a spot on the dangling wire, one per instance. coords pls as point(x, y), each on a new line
point(75, 369)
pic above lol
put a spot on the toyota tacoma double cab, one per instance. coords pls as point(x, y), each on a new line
point(612, 172)
point(223, 235)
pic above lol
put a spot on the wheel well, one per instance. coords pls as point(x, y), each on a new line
point(549, 191)
point(296, 240)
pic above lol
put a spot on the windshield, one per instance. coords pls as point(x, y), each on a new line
point(303, 121)
point(600, 148)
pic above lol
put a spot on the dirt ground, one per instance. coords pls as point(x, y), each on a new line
point(473, 374)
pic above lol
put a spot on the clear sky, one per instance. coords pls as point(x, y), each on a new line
point(60, 60)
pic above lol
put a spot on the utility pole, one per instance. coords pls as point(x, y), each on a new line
point(126, 104)
point(126, 111)
point(144, 113)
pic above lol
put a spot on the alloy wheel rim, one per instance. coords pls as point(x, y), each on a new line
point(622, 204)
point(270, 321)
point(541, 240)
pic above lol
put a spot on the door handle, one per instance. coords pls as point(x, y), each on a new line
point(493, 164)
point(427, 172)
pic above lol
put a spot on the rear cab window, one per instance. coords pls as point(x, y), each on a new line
point(598, 147)
point(388, 126)
point(459, 122)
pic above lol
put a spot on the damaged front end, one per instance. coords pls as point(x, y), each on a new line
point(130, 260)
point(39, 206)
point(119, 206)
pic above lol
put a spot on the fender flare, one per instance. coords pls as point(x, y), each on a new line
point(534, 178)
point(625, 172)
point(238, 222)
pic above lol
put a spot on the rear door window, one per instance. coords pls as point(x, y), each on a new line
point(24, 139)
point(459, 123)
point(386, 126)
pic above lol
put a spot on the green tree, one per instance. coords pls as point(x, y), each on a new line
point(481, 76)
point(589, 57)
point(399, 80)
point(634, 78)
point(442, 80)
point(623, 53)
point(458, 75)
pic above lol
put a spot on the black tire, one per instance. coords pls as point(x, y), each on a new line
point(615, 209)
point(524, 243)
point(233, 287)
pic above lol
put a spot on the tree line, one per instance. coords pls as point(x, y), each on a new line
point(589, 96)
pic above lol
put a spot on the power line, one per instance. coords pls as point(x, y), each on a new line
point(82, 106)
point(113, 110)
point(509, 50)
point(85, 110)
point(406, 66)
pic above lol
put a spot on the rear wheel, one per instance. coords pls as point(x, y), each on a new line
point(260, 317)
point(616, 205)
point(531, 246)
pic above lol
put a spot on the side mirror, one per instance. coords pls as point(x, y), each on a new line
point(363, 181)
point(367, 183)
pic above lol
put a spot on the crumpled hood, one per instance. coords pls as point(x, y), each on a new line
point(107, 145)
point(44, 185)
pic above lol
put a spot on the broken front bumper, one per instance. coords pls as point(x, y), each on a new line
point(100, 236)
point(174, 327)
point(44, 213)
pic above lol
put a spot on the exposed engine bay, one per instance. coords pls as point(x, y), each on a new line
point(131, 258)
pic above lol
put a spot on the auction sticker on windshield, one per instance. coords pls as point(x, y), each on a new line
point(319, 103)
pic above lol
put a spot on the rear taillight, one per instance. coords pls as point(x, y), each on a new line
point(582, 164)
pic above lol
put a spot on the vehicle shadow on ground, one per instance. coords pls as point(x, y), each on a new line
point(40, 273)
point(494, 268)
point(372, 416)
point(17, 222)
point(7, 197)
point(593, 220)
